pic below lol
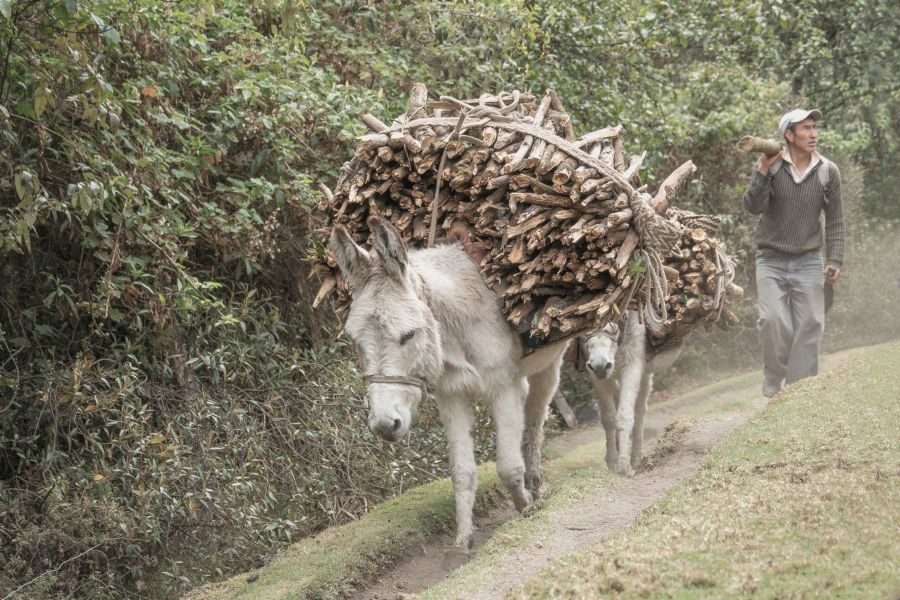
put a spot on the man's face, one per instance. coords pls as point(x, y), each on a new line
point(805, 135)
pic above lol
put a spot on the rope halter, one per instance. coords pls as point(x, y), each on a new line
point(414, 381)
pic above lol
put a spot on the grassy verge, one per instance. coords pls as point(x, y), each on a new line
point(801, 502)
point(331, 563)
point(575, 474)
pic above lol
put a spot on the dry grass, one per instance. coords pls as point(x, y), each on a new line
point(802, 502)
point(667, 442)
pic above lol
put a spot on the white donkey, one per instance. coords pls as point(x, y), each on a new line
point(621, 371)
point(425, 320)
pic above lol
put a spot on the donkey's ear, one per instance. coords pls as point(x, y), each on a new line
point(354, 262)
point(613, 328)
point(389, 246)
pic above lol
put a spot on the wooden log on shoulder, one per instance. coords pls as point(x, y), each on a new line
point(749, 143)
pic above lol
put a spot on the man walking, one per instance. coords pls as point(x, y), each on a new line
point(791, 191)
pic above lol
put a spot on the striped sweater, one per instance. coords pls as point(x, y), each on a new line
point(791, 211)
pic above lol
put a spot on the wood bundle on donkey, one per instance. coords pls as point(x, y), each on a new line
point(564, 230)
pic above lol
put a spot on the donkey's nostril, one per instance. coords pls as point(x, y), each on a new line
point(397, 424)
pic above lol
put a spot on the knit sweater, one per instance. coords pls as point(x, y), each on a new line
point(790, 212)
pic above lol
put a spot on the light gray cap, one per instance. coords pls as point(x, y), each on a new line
point(797, 115)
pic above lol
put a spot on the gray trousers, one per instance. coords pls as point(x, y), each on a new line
point(791, 290)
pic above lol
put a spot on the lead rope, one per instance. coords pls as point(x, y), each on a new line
point(414, 381)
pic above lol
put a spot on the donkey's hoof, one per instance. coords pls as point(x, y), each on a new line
point(532, 509)
point(455, 557)
point(522, 500)
point(533, 484)
point(625, 470)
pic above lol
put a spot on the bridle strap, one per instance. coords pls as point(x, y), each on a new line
point(414, 381)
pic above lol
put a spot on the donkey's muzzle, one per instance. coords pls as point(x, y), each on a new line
point(390, 430)
point(601, 369)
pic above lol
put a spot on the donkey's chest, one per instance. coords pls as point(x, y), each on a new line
point(461, 378)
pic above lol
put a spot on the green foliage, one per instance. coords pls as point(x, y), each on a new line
point(156, 364)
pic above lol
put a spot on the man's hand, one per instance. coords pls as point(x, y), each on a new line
point(832, 273)
point(766, 161)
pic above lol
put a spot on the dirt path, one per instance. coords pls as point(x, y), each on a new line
point(578, 526)
point(589, 521)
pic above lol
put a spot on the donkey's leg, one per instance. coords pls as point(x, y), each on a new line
point(640, 410)
point(605, 391)
point(630, 385)
point(541, 387)
point(458, 417)
point(509, 417)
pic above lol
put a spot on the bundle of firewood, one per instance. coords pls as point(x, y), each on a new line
point(699, 278)
point(561, 226)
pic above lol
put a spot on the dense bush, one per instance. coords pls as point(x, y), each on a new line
point(170, 408)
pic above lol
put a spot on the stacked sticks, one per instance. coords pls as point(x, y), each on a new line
point(554, 220)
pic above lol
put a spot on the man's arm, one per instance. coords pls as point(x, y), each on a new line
point(834, 225)
point(756, 200)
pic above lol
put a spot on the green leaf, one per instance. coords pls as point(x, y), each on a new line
point(44, 329)
point(112, 36)
point(40, 100)
point(636, 268)
point(6, 8)
point(20, 189)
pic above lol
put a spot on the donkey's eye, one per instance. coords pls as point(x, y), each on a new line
point(407, 336)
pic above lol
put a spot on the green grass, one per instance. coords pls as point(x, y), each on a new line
point(802, 502)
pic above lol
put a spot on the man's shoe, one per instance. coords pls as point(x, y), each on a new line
point(770, 389)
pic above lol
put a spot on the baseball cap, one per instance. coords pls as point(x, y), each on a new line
point(797, 115)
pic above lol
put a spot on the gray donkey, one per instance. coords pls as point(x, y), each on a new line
point(424, 320)
point(621, 365)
